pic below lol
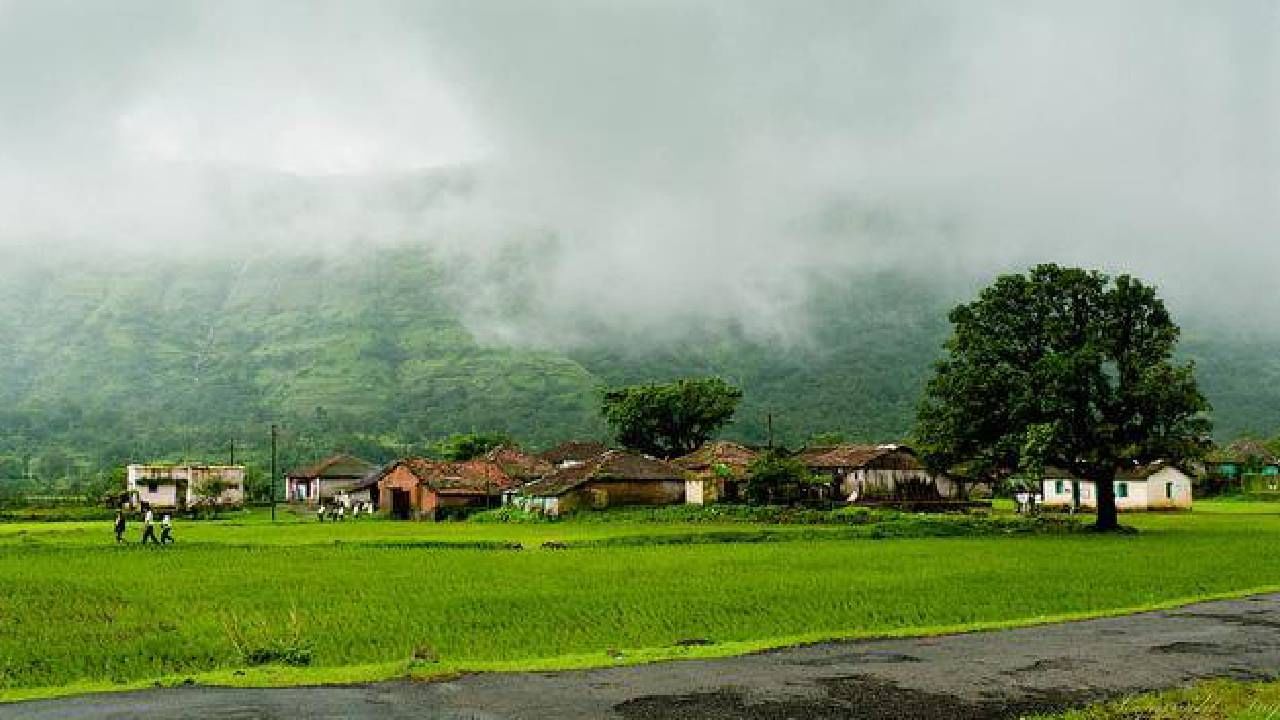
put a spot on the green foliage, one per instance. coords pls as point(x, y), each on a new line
point(1208, 700)
point(773, 477)
point(110, 360)
point(1074, 368)
point(670, 419)
point(461, 447)
point(827, 438)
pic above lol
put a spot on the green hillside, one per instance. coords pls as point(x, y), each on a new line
point(105, 362)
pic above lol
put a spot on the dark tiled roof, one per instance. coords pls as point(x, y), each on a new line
point(1136, 472)
point(851, 456)
point(335, 466)
point(573, 451)
point(613, 465)
point(731, 455)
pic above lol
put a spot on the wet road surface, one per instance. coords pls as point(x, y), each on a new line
point(1002, 674)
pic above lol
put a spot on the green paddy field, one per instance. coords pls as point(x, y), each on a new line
point(248, 602)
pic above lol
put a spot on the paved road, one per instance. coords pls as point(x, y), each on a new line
point(983, 675)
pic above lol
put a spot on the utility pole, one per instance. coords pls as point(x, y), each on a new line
point(274, 431)
point(769, 421)
point(233, 451)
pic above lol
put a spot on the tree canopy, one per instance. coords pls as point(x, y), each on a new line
point(461, 447)
point(1065, 367)
point(670, 419)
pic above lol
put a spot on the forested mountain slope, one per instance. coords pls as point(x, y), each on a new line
point(134, 359)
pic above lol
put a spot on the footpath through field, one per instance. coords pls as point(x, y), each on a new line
point(1001, 674)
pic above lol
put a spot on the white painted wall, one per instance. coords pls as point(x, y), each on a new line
point(1151, 493)
point(168, 478)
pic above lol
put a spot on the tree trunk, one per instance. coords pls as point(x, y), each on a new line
point(1107, 516)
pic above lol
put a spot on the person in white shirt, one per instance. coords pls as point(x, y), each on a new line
point(166, 530)
point(342, 511)
point(149, 527)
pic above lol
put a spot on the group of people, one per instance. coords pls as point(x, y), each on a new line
point(148, 528)
point(338, 512)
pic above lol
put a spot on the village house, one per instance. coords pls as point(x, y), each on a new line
point(1155, 486)
point(323, 481)
point(179, 487)
point(1244, 465)
point(573, 452)
point(423, 489)
point(611, 479)
point(717, 472)
point(864, 472)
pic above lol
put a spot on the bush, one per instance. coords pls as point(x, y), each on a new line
point(508, 514)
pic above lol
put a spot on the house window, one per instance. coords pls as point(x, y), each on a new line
point(1058, 487)
point(1271, 470)
point(152, 487)
point(1122, 490)
point(1168, 490)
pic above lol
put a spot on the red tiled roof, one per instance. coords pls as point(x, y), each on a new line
point(458, 478)
point(519, 464)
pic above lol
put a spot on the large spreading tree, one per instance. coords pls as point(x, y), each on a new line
point(1064, 367)
point(670, 419)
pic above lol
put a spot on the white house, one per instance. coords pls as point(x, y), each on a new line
point(181, 486)
point(1157, 486)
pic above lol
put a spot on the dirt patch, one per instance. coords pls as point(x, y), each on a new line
point(1196, 648)
point(1063, 664)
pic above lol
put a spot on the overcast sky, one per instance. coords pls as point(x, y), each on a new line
point(650, 157)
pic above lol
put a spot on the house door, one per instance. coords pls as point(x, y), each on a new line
point(401, 504)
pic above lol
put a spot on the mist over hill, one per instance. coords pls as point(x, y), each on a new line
point(370, 351)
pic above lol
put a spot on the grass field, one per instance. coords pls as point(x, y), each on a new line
point(243, 601)
point(1215, 700)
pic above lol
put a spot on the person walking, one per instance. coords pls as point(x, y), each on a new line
point(149, 527)
point(166, 530)
point(120, 526)
point(342, 512)
point(320, 512)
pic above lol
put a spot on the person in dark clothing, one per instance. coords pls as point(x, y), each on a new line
point(120, 526)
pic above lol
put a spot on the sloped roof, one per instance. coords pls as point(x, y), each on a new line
point(519, 464)
point(462, 478)
point(731, 455)
point(1242, 450)
point(612, 465)
point(573, 451)
point(1142, 472)
point(1136, 472)
point(850, 456)
point(335, 466)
